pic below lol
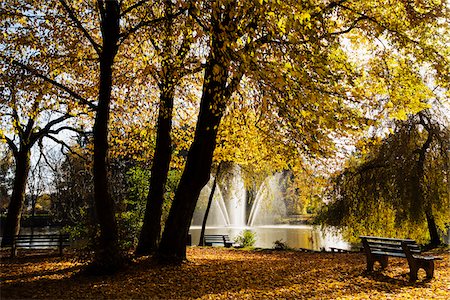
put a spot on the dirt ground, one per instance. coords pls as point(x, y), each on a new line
point(218, 273)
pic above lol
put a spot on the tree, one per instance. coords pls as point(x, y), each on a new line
point(108, 256)
point(96, 32)
point(111, 14)
point(33, 106)
point(215, 93)
point(293, 54)
point(28, 115)
point(404, 178)
point(175, 64)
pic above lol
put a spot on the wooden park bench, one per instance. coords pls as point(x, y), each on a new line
point(218, 239)
point(380, 248)
point(338, 250)
point(39, 241)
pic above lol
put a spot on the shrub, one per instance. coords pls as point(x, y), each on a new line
point(280, 245)
point(246, 238)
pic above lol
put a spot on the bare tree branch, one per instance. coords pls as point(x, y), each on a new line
point(355, 22)
point(42, 155)
point(186, 71)
point(45, 131)
point(235, 81)
point(56, 131)
point(63, 144)
point(11, 144)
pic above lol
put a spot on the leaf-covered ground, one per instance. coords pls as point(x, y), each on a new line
point(217, 273)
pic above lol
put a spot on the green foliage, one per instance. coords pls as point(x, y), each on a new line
point(399, 188)
point(84, 233)
point(173, 178)
point(130, 219)
point(246, 238)
point(371, 218)
point(280, 245)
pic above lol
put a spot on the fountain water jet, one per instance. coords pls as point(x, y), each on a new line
point(218, 214)
point(234, 196)
point(230, 202)
point(268, 207)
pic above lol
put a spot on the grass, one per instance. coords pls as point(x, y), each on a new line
point(218, 273)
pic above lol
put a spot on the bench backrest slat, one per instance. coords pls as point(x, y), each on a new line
point(389, 246)
point(41, 239)
point(387, 239)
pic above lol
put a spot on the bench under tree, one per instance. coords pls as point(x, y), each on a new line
point(218, 239)
point(39, 241)
point(378, 249)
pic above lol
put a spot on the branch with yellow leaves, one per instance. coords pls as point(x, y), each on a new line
point(145, 23)
point(51, 81)
point(80, 26)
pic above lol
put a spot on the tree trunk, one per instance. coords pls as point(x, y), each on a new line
point(12, 224)
point(108, 257)
point(208, 207)
point(432, 228)
point(198, 165)
point(34, 197)
point(435, 240)
point(151, 229)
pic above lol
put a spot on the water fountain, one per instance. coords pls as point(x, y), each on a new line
point(269, 206)
point(229, 207)
point(232, 211)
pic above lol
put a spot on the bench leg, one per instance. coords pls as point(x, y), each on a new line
point(383, 260)
point(13, 248)
point(413, 269)
point(428, 266)
point(414, 266)
point(413, 274)
point(370, 263)
point(429, 269)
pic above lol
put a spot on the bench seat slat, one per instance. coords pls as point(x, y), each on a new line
point(41, 239)
point(36, 243)
point(394, 254)
point(427, 257)
point(388, 243)
point(387, 250)
point(39, 235)
point(395, 249)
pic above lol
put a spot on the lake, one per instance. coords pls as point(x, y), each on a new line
point(294, 236)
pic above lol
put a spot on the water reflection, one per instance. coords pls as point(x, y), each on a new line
point(294, 236)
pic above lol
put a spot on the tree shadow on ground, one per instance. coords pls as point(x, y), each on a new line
point(218, 273)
